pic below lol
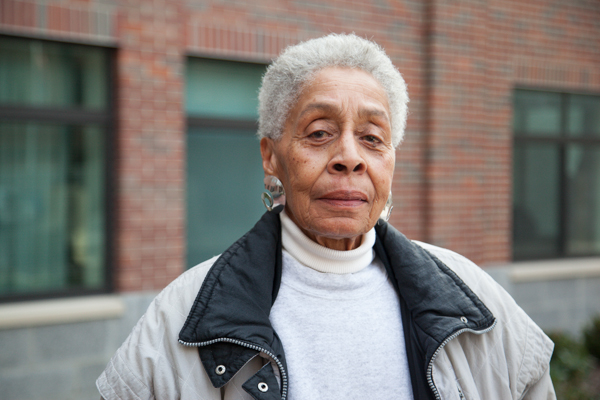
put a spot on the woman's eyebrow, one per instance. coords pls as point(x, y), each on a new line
point(324, 107)
point(328, 108)
point(373, 112)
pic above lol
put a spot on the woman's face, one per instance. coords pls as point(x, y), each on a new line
point(335, 157)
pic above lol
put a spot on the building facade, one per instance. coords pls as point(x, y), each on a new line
point(127, 154)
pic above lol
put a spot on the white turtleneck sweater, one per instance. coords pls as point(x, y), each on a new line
point(338, 317)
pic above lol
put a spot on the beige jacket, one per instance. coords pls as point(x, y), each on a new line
point(509, 361)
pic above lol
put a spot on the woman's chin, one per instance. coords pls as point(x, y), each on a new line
point(340, 227)
point(334, 223)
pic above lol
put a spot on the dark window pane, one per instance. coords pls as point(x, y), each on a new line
point(45, 74)
point(224, 183)
point(583, 191)
point(51, 207)
point(222, 89)
point(537, 113)
point(584, 116)
point(536, 221)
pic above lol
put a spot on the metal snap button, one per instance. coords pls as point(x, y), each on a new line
point(220, 370)
point(263, 387)
point(464, 320)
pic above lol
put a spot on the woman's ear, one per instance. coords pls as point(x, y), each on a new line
point(269, 159)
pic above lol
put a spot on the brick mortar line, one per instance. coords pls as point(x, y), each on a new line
point(59, 35)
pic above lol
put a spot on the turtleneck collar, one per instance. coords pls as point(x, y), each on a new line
point(321, 258)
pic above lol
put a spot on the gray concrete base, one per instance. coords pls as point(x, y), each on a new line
point(559, 304)
point(62, 361)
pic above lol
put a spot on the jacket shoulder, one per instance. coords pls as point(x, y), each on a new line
point(151, 363)
point(462, 266)
point(510, 359)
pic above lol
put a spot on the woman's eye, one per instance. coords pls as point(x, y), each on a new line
point(372, 139)
point(318, 134)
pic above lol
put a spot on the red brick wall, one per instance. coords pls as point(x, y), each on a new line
point(457, 130)
point(150, 143)
point(462, 60)
point(479, 52)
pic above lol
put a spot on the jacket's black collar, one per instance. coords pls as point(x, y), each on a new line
point(238, 292)
point(438, 300)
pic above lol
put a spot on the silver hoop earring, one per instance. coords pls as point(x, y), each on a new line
point(387, 209)
point(275, 194)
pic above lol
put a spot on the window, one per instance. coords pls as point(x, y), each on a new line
point(556, 175)
point(224, 167)
point(54, 119)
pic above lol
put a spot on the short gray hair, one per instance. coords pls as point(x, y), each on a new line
point(297, 65)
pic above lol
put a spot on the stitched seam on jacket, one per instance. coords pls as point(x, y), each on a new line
point(521, 365)
point(141, 382)
point(113, 392)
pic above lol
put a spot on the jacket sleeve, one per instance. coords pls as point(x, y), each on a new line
point(151, 364)
point(542, 389)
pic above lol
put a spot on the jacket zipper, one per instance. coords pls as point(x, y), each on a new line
point(441, 346)
point(282, 372)
point(460, 393)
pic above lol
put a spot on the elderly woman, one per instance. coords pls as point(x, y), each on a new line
point(322, 299)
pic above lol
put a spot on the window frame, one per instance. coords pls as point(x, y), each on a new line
point(202, 122)
point(78, 116)
point(195, 121)
point(562, 140)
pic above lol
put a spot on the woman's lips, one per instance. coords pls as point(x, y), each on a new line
point(345, 198)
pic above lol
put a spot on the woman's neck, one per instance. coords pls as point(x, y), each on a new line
point(322, 258)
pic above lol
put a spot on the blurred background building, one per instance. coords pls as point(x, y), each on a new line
point(127, 154)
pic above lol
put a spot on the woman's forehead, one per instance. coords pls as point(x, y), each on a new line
point(332, 87)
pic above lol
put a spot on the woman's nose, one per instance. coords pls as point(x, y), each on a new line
point(347, 157)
